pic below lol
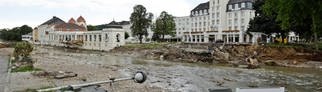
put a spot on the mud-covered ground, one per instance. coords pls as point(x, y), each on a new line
point(163, 76)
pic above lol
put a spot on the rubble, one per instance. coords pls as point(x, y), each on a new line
point(250, 55)
point(3, 45)
point(55, 74)
point(252, 63)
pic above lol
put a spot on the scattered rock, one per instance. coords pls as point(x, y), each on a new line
point(271, 63)
point(227, 79)
point(253, 84)
point(62, 75)
point(252, 63)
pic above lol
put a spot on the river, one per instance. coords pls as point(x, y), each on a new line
point(189, 77)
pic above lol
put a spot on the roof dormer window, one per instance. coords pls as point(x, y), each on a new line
point(200, 13)
point(230, 7)
point(236, 7)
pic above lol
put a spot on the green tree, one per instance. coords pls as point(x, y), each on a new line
point(295, 12)
point(264, 23)
point(15, 34)
point(126, 35)
point(91, 28)
point(23, 49)
point(141, 21)
point(25, 29)
point(164, 25)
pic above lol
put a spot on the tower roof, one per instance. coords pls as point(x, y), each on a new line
point(80, 19)
point(72, 21)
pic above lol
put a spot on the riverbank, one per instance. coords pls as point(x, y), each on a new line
point(229, 54)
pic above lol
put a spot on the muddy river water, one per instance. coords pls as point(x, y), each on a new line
point(196, 77)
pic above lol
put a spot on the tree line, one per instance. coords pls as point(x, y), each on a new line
point(304, 17)
point(141, 20)
point(15, 33)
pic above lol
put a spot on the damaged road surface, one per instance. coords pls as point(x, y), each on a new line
point(3, 72)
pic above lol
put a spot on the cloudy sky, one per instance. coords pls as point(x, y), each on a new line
point(34, 12)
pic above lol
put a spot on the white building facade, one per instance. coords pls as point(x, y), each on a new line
point(105, 39)
point(225, 20)
point(74, 34)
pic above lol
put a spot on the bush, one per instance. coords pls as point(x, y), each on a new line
point(126, 35)
point(22, 49)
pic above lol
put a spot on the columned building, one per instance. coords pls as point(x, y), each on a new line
point(225, 20)
point(74, 33)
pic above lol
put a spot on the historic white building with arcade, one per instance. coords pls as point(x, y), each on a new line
point(74, 34)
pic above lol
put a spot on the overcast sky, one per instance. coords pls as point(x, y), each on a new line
point(34, 12)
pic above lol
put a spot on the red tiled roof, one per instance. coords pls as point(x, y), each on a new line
point(69, 27)
point(72, 21)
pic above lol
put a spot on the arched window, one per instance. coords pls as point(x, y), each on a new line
point(118, 38)
point(106, 38)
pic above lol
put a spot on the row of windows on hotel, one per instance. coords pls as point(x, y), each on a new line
point(204, 24)
point(201, 18)
point(203, 12)
point(228, 38)
point(213, 21)
point(200, 12)
point(237, 6)
point(242, 28)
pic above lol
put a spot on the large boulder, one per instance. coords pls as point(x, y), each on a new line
point(252, 63)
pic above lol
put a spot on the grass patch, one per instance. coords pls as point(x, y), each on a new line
point(146, 46)
point(279, 45)
point(320, 45)
point(27, 68)
point(310, 46)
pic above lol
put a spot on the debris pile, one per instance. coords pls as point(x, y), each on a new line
point(250, 55)
point(55, 74)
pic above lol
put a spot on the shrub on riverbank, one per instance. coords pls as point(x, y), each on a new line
point(22, 61)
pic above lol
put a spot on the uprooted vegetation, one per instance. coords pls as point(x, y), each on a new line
point(22, 61)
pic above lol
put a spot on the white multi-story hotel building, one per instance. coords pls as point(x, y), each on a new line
point(225, 20)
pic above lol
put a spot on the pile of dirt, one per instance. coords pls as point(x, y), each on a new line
point(176, 54)
point(3, 45)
